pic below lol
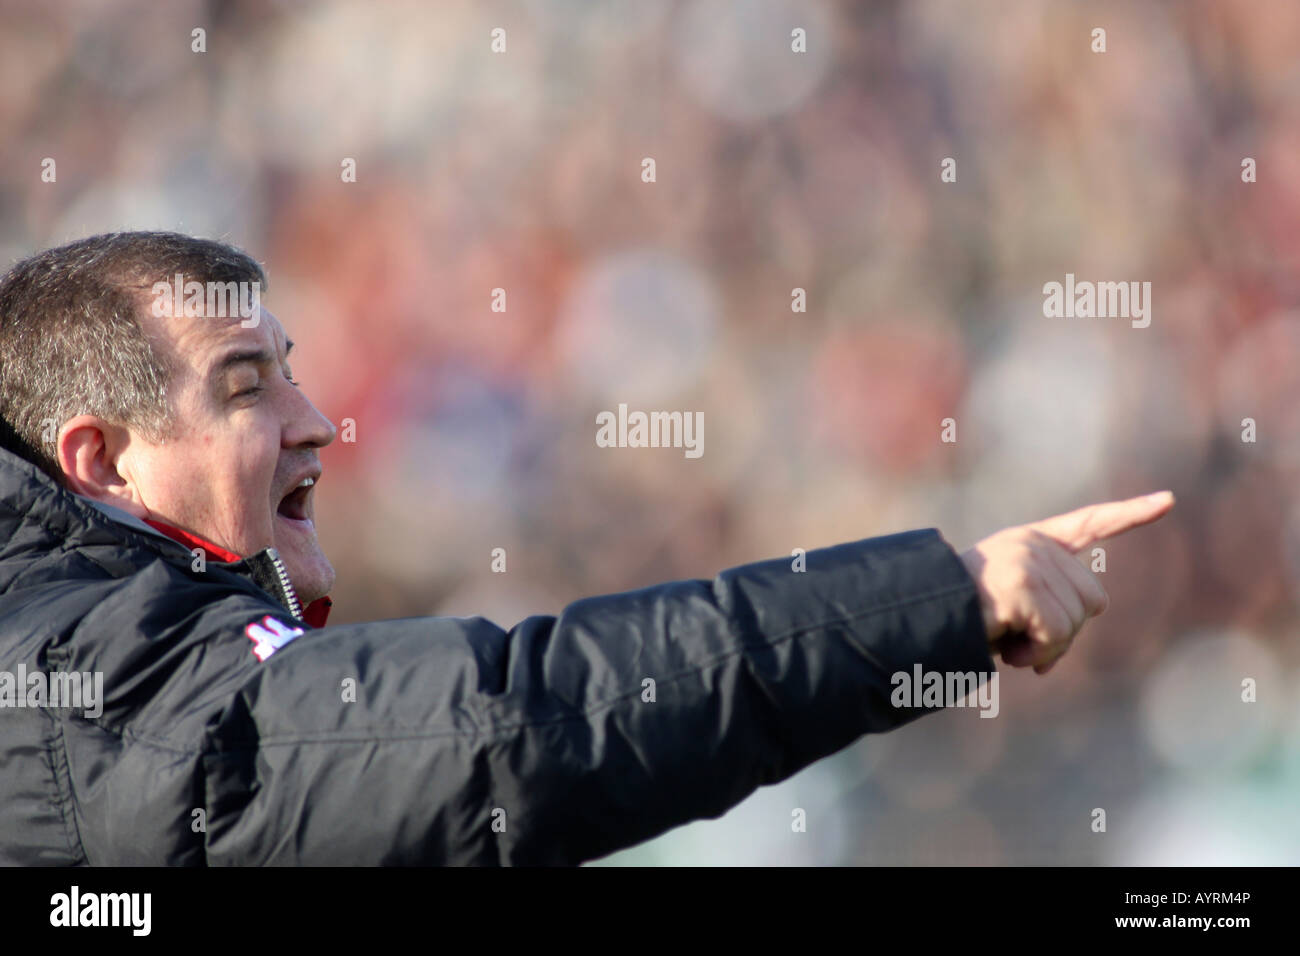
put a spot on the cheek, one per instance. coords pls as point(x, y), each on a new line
point(242, 504)
point(256, 469)
point(241, 471)
point(177, 481)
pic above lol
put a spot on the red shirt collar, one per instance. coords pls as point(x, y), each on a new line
point(317, 611)
point(314, 613)
point(192, 541)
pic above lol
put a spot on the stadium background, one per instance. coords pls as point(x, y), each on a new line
point(475, 429)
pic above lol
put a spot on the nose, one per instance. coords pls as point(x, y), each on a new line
point(305, 426)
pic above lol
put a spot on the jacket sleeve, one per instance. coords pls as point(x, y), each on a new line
point(450, 740)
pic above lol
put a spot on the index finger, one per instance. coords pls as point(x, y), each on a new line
point(1078, 529)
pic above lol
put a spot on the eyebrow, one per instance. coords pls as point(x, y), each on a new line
point(253, 356)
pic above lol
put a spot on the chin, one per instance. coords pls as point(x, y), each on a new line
point(311, 573)
point(313, 581)
point(309, 569)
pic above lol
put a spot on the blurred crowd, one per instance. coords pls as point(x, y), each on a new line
point(523, 170)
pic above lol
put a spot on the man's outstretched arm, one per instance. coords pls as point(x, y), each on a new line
point(569, 737)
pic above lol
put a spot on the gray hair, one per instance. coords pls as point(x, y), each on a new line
point(72, 342)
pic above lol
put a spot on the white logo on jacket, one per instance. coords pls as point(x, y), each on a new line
point(269, 635)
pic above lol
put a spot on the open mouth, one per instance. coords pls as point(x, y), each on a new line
point(294, 505)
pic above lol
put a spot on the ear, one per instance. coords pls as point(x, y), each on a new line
point(88, 450)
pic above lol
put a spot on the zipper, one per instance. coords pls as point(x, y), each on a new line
point(253, 568)
point(286, 586)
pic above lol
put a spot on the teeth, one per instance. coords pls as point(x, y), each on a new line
point(307, 483)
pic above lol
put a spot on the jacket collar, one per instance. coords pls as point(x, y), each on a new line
point(265, 567)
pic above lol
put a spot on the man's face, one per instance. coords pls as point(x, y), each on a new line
point(243, 441)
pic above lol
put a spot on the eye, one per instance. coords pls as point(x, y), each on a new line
point(248, 391)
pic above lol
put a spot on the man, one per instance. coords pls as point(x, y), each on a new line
point(157, 531)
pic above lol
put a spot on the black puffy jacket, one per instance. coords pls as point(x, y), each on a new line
point(232, 732)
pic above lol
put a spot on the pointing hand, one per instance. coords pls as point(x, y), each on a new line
point(1035, 594)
